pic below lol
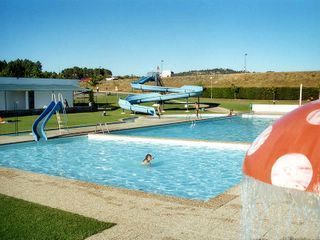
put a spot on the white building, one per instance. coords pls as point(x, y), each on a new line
point(34, 93)
point(111, 78)
point(166, 73)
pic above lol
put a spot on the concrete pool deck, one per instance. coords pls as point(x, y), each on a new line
point(138, 215)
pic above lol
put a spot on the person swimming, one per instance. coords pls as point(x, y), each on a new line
point(147, 159)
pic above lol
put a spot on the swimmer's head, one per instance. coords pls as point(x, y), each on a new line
point(148, 157)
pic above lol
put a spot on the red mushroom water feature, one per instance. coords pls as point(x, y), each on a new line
point(287, 154)
point(281, 187)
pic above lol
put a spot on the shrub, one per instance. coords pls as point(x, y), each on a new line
point(264, 93)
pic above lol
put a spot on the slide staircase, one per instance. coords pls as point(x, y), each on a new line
point(131, 102)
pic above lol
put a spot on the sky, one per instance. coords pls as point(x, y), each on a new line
point(134, 36)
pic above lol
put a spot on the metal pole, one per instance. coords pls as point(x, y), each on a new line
point(187, 105)
point(17, 118)
point(245, 62)
point(211, 87)
point(300, 97)
point(106, 102)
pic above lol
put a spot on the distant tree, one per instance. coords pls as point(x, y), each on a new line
point(32, 69)
point(28, 68)
point(97, 74)
point(49, 75)
point(20, 68)
point(3, 65)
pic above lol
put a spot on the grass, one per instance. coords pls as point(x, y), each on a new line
point(20, 219)
point(240, 105)
point(271, 79)
point(74, 119)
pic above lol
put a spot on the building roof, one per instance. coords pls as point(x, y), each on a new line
point(39, 84)
point(32, 87)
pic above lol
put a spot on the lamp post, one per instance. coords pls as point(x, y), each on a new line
point(16, 122)
point(162, 66)
point(245, 62)
point(211, 87)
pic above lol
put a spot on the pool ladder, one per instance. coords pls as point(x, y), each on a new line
point(62, 119)
point(103, 128)
point(190, 118)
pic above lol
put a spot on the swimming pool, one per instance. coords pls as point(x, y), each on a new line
point(200, 172)
point(227, 129)
point(184, 168)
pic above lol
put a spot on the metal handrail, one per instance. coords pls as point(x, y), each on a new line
point(103, 127)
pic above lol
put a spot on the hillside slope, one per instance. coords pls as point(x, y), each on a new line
point(270, 79)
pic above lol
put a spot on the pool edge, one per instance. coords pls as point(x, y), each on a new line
point(212, 203)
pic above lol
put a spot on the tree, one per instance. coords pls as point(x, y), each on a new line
point(3, 65)
point(20, 68)
point(97, 74)
point(28, 68)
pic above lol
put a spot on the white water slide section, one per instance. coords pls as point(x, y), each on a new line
point(131, 102)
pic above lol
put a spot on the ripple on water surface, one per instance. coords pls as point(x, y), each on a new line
point(189, 172)
point(231, 129)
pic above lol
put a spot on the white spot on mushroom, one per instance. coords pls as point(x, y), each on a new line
point(292, 170)
point(259, 141)
point(314, 117)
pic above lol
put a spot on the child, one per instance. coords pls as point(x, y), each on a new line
point(147, 160)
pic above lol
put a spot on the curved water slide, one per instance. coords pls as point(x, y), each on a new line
point(38, 127)
point(131, 102)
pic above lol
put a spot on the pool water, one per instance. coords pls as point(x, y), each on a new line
point(194, 173)
point(230, 129)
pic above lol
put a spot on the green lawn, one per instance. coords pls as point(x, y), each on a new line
point(101, 98)
point(20, 219)
point(91, 118)
point(241, 105)
point(74, 119)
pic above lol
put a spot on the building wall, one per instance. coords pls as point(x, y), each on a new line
point(42, 91)
point(69, 96)
point(13, 97)
point(2, 101)
point(43, 98)
point(166, 73)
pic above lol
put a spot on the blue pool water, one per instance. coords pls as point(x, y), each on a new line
point(195, 173)
point(234, 129)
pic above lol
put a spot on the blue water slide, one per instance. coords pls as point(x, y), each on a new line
point(36, 123)
point(58, 106)
point(143, 80)
point(131, 101)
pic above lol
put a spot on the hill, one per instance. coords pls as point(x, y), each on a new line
point(269, 79)
point(207, 72)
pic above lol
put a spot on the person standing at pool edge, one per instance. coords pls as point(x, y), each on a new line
point(197, 109)
point(147, 159)
point(66, 104)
